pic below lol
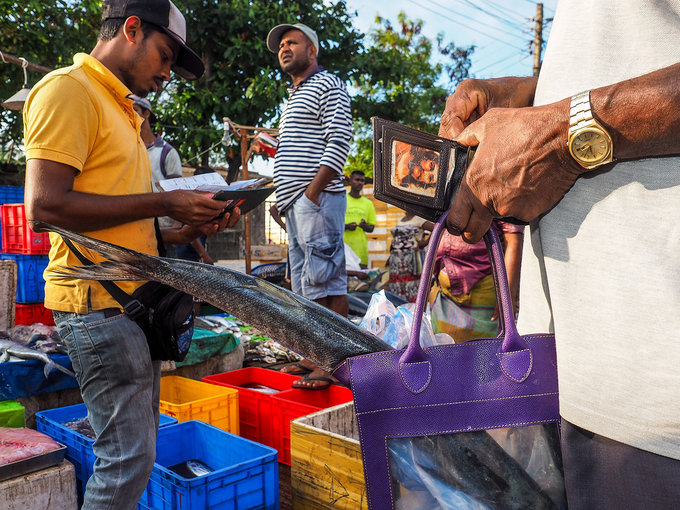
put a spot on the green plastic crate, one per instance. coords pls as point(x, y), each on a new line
point(12, 414)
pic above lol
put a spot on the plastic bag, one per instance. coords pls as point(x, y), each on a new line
point(393, 324)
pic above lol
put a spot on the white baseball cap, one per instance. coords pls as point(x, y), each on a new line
point(275, 34)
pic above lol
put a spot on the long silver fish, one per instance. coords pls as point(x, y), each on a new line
point(304, 326)
point(9, 348)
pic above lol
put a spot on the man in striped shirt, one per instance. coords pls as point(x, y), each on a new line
point(314, 135)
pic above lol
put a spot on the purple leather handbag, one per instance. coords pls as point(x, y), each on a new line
point(440, 402)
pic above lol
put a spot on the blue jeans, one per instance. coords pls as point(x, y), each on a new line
point(316, 248)
point(120, 385)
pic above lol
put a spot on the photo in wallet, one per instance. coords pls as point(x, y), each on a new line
point(416, 171)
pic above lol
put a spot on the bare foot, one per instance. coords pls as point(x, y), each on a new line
point(316, 380)
point(299, 368)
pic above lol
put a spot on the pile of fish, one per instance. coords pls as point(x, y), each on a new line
point(34, 342)
point(258, 347)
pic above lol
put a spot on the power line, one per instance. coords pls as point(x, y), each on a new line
point(474, 20)
point(503, 9)
point(501, 18)
point(504, 59)
point(512, 64)
point(459, 23)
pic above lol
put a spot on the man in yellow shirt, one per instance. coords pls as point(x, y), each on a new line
point(88, 170)
point(360, 217)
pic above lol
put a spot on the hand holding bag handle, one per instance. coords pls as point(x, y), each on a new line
point(508, 381)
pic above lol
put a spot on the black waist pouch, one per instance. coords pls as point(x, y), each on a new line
point(167, 317)
point(165, 314)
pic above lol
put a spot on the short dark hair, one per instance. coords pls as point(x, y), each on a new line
point(357, 172)
point(111, 26)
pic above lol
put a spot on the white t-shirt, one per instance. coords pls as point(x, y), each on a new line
point(606, 260)
point(173, 165)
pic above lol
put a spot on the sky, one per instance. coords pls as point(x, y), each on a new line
point(501, 30)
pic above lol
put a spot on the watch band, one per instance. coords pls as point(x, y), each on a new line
point(580, 114)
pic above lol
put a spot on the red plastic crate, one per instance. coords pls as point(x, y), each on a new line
point(255, 407)
point(33, 313)
point(294, 403)
point(17, 237)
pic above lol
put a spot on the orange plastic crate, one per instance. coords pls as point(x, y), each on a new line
point(187, 399)
point(17, 237)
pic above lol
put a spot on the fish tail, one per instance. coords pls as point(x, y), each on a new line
point(123, 263)
point(51, 365)
point(64, 370)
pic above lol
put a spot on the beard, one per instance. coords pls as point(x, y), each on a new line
point(131, 69)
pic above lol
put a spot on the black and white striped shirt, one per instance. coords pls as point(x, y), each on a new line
point(315, 129)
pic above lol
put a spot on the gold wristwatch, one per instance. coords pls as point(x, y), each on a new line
point(589, 143)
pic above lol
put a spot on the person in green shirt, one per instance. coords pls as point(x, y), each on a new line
point(359, 218)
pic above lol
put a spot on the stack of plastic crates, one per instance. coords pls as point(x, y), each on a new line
point(28, 250)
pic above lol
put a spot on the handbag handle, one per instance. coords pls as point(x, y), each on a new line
point(514, 355)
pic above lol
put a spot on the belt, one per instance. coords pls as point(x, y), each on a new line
point(111, 312)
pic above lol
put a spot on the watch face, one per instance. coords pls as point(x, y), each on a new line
point(590, 146)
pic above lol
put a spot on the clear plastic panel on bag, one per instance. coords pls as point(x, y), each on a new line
point(509, 468)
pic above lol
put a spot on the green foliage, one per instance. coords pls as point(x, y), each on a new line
point(398, 78)
point(45, 32)
point(393, 75)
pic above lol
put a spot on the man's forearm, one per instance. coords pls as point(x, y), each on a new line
point(84, 212)
point(323, 177)
point(642, 114)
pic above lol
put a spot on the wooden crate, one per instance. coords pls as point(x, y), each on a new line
point(326, 467)
point(269, 251)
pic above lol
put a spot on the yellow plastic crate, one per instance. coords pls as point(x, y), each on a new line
point(326, 468)
point(187, 399)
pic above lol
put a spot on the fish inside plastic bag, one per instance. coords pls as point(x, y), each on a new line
point(393, 324)
point(517, 468)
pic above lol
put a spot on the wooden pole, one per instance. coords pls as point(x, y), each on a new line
point(246, 219)
point(11, 59)
point(538, 38)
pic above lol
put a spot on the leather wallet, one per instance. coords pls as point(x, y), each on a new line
point(414, 170)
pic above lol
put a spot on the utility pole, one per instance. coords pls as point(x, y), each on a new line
point(538, 38)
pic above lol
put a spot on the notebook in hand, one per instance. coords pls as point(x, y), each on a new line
point(416, 171)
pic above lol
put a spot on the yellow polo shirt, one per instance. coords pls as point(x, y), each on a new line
point(81, 116)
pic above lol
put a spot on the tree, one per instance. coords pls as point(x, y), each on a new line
point(398, 80)
point(45, 32)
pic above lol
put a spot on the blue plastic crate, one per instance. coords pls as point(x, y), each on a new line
point(78, 446)
point(245, 474)
point(11, 194)
point(30, 281)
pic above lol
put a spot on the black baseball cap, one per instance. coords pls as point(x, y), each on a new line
point(165, 15)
